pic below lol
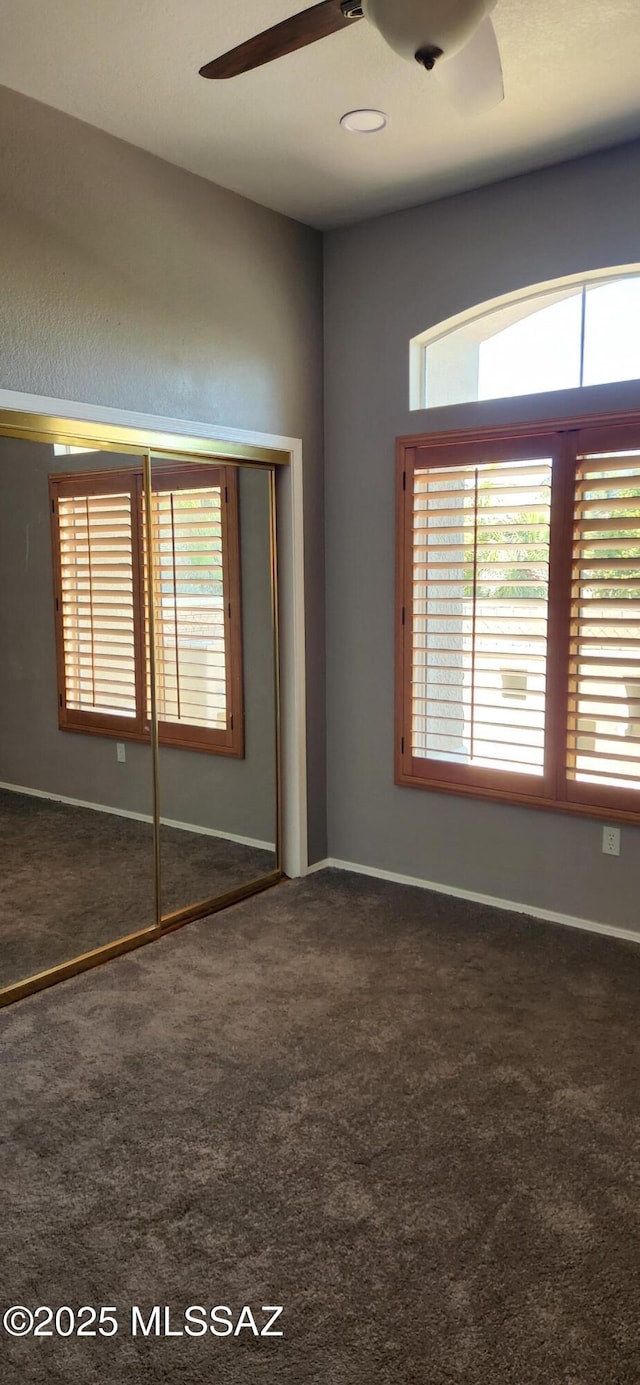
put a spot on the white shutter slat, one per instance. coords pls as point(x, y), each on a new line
point(604, 692)
point(480, 614)
point(96, 594)
point(189, 615)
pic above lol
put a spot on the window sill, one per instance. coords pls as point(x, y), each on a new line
point(552, 805)
point(233, 748)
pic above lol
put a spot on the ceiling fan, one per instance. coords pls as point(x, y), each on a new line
point(454, 38)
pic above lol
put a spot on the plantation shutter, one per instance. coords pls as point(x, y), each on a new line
point(193, 609)
point(97, 600)
point(479, 585)
point(604, 676)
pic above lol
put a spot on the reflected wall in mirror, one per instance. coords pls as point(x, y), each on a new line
point(215, 678)
point(76, 782)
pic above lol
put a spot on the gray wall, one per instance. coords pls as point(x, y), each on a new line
point(125, 281)
point(228, 795)
point(386, 281)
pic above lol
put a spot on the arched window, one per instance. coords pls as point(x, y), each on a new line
point(579, 331)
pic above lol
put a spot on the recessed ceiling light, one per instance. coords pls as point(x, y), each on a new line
point(364, 122)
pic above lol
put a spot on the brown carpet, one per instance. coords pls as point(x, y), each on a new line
point(72, 879)
point(410, 1120)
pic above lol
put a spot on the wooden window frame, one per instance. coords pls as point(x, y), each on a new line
point(564, 441)
point(229, 741)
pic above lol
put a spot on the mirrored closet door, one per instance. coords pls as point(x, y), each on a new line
point(139, 780)
point(215, 679)
point(76, 774)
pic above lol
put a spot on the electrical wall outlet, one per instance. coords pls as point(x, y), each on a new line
point(122, 755)
point(611, 841)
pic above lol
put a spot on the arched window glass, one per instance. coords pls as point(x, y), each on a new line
point(555, 336)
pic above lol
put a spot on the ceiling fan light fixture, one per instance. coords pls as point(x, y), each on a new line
point(456, 37)
point(364, 122)
point(413, 28)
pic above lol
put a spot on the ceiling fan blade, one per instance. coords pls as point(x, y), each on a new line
point(296, 32)
point(472, 79)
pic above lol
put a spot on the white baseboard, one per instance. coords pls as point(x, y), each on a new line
point(140, 817)
point(546, 915)
point(213, 832)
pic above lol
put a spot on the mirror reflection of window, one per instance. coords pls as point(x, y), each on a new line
point(197, 608)
point(100, 560)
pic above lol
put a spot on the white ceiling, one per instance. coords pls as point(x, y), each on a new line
point(131, 67)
